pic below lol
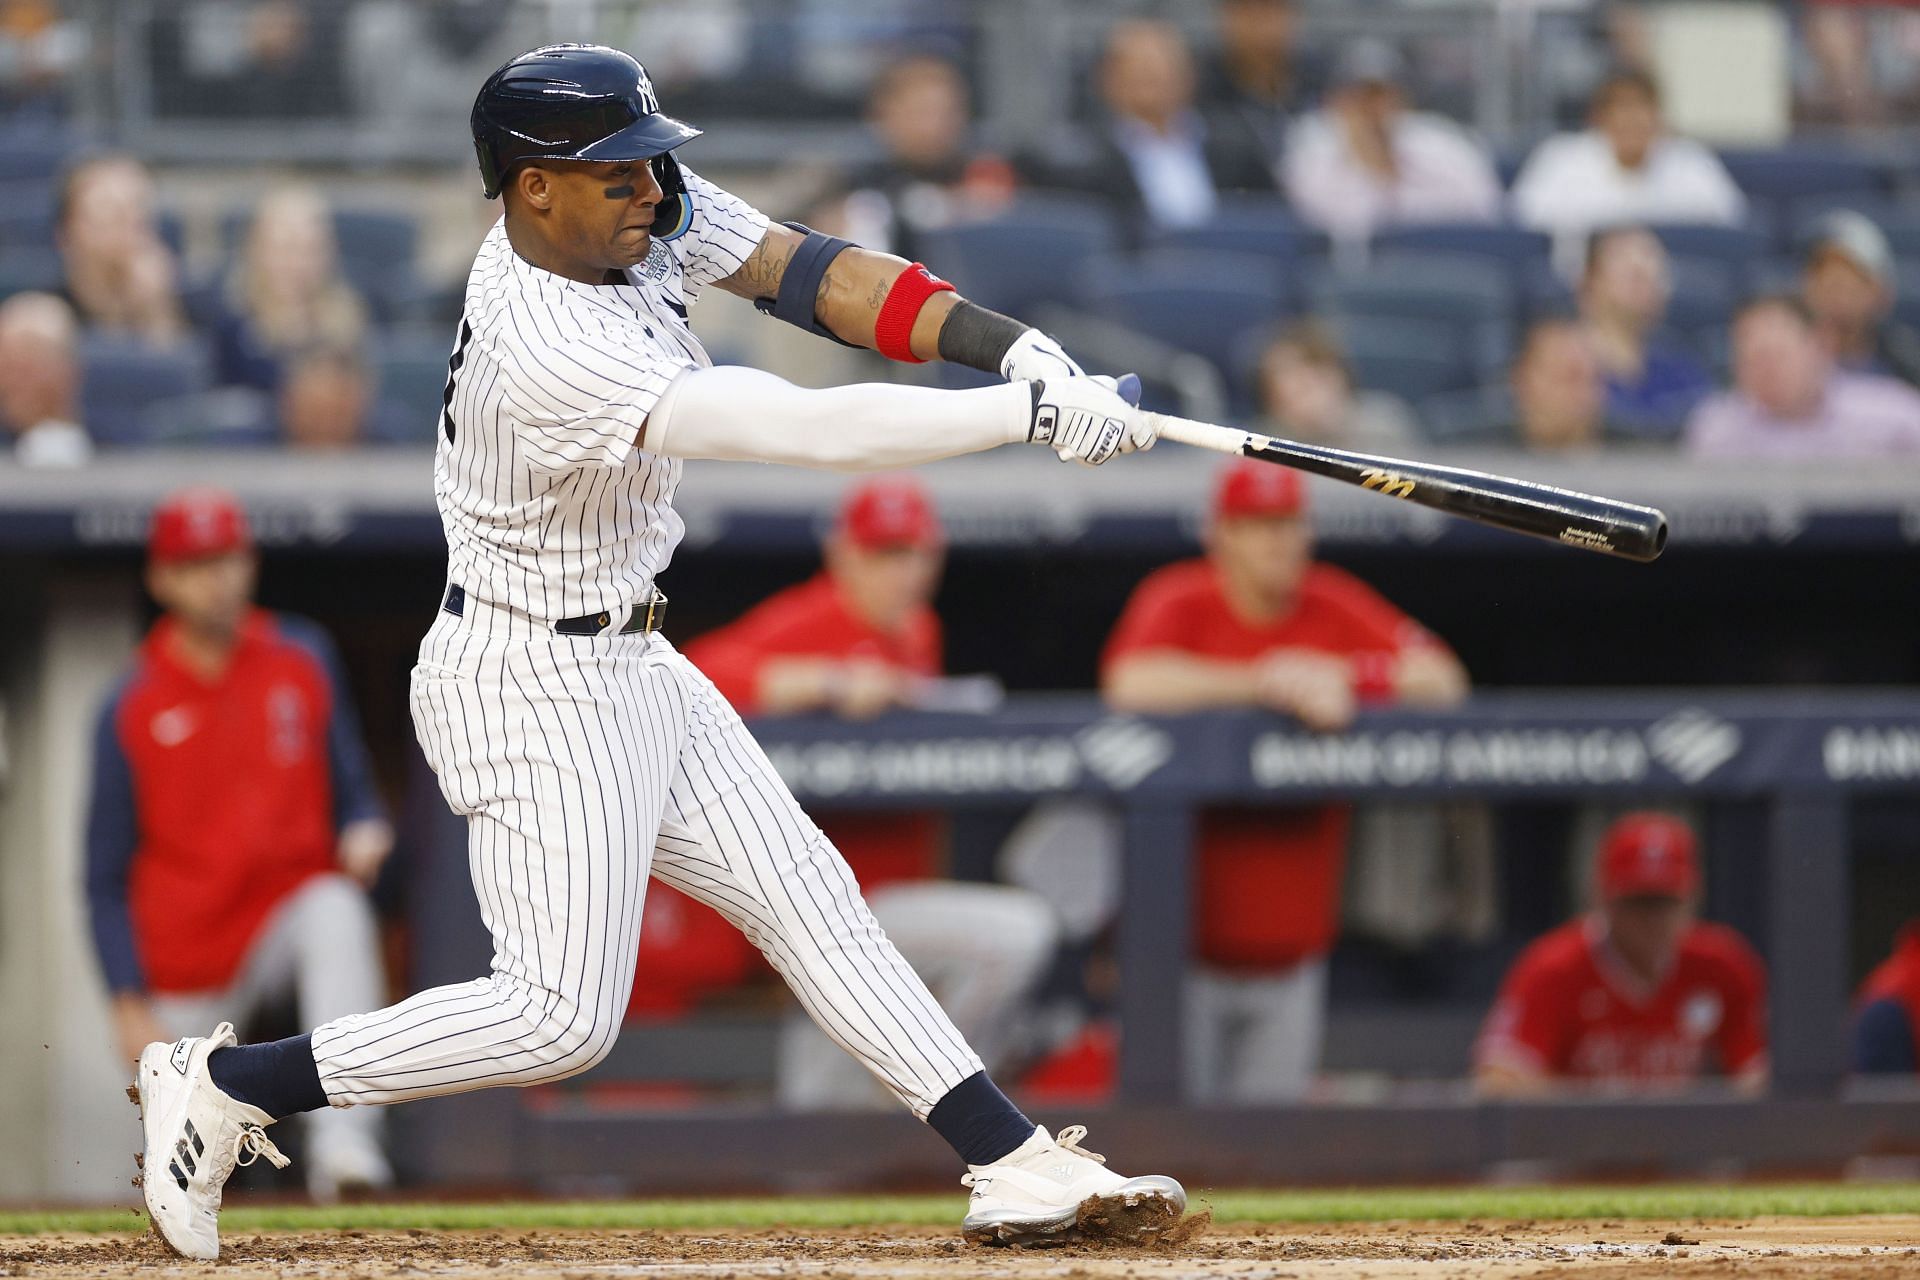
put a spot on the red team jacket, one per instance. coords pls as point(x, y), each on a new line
point(686, 950)
point(1897, 979)
point(1569, 1008)
point(1267, 891)
point(215, 800)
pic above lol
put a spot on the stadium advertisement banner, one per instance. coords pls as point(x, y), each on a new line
point(1562, 744)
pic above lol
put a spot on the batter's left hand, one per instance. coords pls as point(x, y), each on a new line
point(363, 848)
point(1034, 357)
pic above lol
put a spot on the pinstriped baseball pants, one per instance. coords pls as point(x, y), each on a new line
point(584, 763)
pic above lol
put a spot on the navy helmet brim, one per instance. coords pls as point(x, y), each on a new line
point(645, 138)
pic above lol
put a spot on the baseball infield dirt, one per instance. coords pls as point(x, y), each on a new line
point(1769, 1247)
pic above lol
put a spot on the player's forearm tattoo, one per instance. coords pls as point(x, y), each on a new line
point(760, 274)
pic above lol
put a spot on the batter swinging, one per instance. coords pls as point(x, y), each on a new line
point(584, 750)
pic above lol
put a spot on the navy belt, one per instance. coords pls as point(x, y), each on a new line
point(647, 617)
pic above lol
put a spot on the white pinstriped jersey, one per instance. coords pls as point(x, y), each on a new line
point(548, 506)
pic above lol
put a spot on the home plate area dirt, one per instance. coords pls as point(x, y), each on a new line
point(1849, 1247)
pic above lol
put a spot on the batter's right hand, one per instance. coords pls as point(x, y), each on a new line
point(1086, 420)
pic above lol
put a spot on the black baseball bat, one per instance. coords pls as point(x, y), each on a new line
point(1575, 519)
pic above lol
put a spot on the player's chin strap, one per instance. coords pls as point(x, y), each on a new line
point(800, 285)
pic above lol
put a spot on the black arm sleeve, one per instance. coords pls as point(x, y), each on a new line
point(978, 338)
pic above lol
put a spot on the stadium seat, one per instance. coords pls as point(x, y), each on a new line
point(122, 377)
point(226, 417)
point(24, 270)
point(1738, 247)
point(1516, 249)
point(1199, 302)
point(1479, 415)
point(1706, 291)
point(411, 369)
point(1413, 359)
point(28, 154)
point(26, 215)
point(1026, 254)
point(1265, 227)
point(1473, 299)
point(1787, 173)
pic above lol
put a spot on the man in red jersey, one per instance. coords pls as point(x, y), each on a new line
point(1257, 622)
point(855, 640)
point(1886, 1023)
point(233, 826)
point(1638, 993)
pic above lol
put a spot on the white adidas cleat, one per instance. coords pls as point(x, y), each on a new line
point(195, 1136)
point(1047, 1190)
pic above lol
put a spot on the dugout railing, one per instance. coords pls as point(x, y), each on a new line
point(1798, 759)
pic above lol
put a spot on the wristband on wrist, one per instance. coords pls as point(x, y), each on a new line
point(893, 329)
point(978, 338)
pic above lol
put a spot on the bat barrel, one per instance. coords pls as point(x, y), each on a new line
point(1575, 519)
point(1566, 516)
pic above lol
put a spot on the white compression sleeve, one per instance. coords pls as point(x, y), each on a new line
point(745, 415)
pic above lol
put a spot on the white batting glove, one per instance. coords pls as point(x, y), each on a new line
point(1085, 420)
point(1034, 357)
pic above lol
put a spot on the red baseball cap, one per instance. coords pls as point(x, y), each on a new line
point(890, 511)
point(1648, 855)
point(1249, 487)
point(198, 522)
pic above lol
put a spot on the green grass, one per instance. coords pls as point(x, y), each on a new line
point(1677, 1201)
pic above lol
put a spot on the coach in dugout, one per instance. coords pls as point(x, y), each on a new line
point(855, 640)
point(1886, 1020)
point(1638, 994)
point(233, 825)
point(1258, 623)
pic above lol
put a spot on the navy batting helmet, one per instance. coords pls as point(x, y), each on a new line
point(580, 102)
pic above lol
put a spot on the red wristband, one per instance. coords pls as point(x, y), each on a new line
point(893, 330)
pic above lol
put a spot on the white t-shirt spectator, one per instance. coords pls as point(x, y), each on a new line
point(53, 444)
point(1444, 176)
point(1572, 183)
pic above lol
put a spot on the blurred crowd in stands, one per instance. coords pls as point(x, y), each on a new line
point(1277, 217)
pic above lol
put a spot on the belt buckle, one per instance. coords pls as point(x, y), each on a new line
point(654, 602)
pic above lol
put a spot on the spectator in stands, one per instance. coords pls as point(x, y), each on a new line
point(1625, 168)
point(233, 825)
point(1259, 78)
point(1155, 155)
point(1258, 623)
point(1363, 161)
point(1650, 387)
point(286, 291)
point(1636, 994)
point(1559, 398)
point(1848, 283)
point(327, 401)
point(1307, 393)
point(40, 382)
point(930, 171)
point(859, 638)
point(39, 51)
point(1790, 402)
point(1858, 69)
point(120, 275)
point(1886, 1021)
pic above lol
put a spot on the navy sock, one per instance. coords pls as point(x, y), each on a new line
point(279, 1077)
point(978, 1121)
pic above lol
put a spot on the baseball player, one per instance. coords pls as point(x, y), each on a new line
point(859, 637)
point(233, 824)
point(1639, 993)
point(584, 750)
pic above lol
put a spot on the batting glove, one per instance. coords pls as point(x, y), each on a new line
point(1034, 356)
point(1086, 420)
